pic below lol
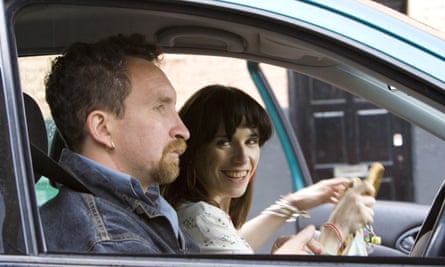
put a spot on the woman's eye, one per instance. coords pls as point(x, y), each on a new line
point(223, 143)
point(253, 141)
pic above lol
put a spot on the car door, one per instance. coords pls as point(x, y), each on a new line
point(45, 27)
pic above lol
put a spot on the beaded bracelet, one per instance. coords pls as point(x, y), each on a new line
point(282, 208)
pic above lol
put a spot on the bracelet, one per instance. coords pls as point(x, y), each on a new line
point(283, 209)
point(339, 236)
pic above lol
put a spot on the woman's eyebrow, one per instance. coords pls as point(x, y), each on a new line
point(255, 134)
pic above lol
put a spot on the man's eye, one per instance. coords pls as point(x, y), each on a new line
point(160, 108)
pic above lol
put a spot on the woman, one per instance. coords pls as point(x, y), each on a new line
point(214, 189)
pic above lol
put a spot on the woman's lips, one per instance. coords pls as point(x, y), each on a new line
point(236, 176)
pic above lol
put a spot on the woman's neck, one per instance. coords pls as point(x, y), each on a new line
point(224, 204)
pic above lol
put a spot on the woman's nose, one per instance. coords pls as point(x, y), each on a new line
point(240, 154)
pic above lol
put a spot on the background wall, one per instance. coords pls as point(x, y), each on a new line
point(430, 12)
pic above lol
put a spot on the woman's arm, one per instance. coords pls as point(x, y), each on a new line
point(259, 229)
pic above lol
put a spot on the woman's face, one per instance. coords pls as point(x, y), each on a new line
point(225, 166)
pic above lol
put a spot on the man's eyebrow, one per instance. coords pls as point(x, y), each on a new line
point(166, 99)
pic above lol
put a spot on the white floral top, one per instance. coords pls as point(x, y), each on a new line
point(211, 228)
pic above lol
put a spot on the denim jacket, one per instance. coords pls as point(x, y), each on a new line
point(116, 219)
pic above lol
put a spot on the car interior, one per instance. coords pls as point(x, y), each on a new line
point(45, 29)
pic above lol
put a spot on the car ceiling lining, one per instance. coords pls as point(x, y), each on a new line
point(43, 29)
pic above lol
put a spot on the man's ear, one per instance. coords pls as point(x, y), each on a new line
point(96, 126)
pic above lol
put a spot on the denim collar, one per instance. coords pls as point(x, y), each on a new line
point(103, 181)
point(123, 182)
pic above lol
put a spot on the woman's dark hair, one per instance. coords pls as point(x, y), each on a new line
point(203, 114)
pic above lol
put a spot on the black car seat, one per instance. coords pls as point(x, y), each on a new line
point(36, 131)
point(44, 165)
point(57, 145)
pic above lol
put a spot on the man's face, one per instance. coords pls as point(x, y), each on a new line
point(150, 137)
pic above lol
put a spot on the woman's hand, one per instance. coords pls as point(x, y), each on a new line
point(324, 191)
point(355, 209)
point(301, 243)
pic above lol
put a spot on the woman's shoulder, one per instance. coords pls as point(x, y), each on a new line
point(194, 209)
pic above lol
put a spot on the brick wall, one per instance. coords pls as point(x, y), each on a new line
point(430, 12)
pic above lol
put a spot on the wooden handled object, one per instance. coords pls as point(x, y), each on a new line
point(375, 175)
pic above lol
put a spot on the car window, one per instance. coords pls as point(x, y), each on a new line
point(273, 162)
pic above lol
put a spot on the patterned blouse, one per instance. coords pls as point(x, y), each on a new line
point(211, 228)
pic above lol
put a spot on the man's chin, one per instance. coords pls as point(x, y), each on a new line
point(168, 174)
point(166, 180)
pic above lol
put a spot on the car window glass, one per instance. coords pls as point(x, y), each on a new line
point(32, 75)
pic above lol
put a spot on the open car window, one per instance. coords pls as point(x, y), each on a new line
point(274, 174)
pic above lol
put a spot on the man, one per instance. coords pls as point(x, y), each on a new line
point(116, 111)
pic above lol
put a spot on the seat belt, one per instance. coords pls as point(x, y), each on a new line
point(51, 169)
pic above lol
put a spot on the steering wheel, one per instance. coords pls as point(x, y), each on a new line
point(430, 241)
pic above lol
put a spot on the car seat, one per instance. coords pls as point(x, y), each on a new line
point(44, 165)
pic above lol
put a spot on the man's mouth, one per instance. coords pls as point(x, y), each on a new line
point(177, 147)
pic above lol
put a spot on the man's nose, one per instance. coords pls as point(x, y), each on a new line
point(180, 130)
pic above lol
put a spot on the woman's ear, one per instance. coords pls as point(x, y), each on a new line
point(96, 126)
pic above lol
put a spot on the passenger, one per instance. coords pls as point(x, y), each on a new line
point(213, 192)
point(116, 111)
